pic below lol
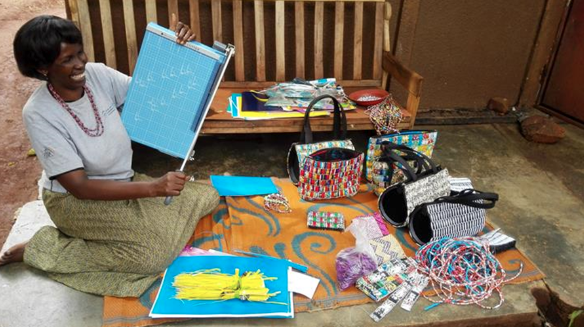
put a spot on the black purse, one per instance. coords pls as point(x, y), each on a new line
point(463, 214)
point(425, 182)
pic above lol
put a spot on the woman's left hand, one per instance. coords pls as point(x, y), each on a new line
point(183, 31)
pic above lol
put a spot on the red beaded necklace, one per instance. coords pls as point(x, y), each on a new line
point(98, 130)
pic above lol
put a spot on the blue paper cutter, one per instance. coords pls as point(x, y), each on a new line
point(171, 91)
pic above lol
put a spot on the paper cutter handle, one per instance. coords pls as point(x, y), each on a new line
point(168, 199)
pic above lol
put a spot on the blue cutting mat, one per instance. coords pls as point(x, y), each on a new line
point(166, 305)
point(169, 91)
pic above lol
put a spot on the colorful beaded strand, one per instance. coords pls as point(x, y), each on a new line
point(462, 271)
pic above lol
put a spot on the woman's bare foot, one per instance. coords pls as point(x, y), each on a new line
point(14, 254)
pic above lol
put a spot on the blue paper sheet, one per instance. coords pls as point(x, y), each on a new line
point(243, 185)
point(167, 306)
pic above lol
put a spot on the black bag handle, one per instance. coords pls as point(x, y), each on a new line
point(339, 121)
point(422, 162)
point(407, 169)
point(411, 154)
point(469, 197)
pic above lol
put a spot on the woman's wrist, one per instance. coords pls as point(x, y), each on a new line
point(151, 189)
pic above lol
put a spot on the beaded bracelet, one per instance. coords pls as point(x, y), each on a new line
point(277, 202)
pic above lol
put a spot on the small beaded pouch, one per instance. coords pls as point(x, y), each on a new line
point(326, 220)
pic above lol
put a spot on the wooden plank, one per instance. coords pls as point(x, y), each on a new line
point(319, 40)
point(85, 26)
point(339, 34)
point(386, 40)
point(358, 42)
point(130, 26)
point(542, 50)
point(151, 11)
point(378, 41)
point(280, 43)
point(108, 33)
point(74, 8)
point(194, 16)
point(325, 0)
point(173, 9)
point(260, 41)
point(299, 35)
point(238, 40)
point(409, 79)
point(238, 126)
point(216, 20)
point(412, 108)
point(386, 27)
point(263, 84)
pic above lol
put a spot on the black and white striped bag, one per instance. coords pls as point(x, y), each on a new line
point(425, 182)
point(463, 214)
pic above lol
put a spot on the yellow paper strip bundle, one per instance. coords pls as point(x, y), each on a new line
point(212, 284)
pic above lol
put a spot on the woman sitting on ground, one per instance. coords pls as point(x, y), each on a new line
point(113, 234)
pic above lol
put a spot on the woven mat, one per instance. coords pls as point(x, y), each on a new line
point(242, 223)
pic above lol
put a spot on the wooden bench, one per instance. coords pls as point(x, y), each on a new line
point(275, 41)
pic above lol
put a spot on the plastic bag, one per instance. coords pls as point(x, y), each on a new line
point(354, 262)
point(279, 100)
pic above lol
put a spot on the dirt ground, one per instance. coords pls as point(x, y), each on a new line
point(18, 172)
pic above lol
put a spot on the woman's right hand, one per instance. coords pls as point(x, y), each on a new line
point(170, 184)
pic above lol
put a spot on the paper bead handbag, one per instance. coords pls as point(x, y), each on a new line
point(300, 150)
point(381, 174)
point(460, 215)
point(425, 182)
point(327, 170)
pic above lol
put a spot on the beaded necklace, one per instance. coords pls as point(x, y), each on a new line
point(385, 116)
point(98, 130)
point(462, 271)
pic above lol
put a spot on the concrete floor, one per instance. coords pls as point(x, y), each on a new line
point(541, 189)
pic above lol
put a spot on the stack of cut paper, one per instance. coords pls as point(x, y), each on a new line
point(255, 109)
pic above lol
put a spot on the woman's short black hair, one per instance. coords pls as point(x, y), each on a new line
point(37, 43)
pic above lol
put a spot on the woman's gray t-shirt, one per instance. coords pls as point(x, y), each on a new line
point(62, 146)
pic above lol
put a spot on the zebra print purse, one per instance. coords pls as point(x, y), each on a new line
point(462, 214)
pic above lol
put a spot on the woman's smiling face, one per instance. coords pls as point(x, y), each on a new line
point(67, 72)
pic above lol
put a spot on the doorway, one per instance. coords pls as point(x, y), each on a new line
point(563, 92)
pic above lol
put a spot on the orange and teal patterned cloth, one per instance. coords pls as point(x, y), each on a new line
point(242, 223)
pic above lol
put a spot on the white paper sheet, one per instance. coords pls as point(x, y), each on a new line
point(302, 283)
